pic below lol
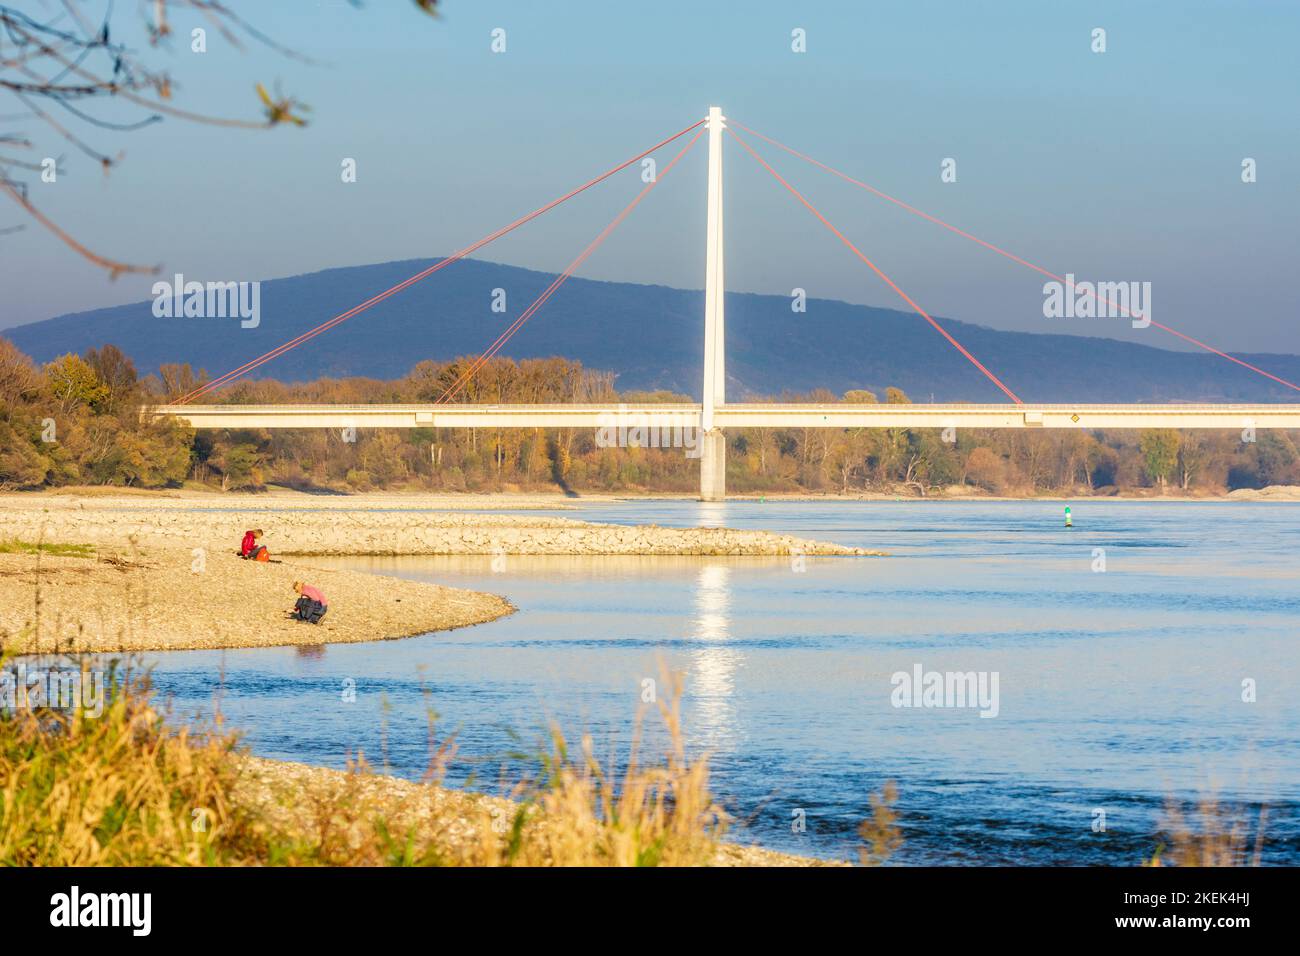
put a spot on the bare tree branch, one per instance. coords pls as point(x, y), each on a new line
point(114, 267)
point(67, 56)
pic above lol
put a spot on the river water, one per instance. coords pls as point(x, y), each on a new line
point(1122, 650)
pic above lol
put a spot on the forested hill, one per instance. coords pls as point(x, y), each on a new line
point(651, 336)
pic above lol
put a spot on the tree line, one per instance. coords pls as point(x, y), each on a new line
point(77, 421)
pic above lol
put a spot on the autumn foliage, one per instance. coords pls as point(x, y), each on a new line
point(78, 420)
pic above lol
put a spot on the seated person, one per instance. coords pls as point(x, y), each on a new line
point(311, 604)
point(249, 548)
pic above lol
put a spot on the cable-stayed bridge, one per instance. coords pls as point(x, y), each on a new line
point(713, 415)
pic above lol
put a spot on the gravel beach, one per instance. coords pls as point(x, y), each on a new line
point(159, 572)
point(152, 598)
point(362, 527)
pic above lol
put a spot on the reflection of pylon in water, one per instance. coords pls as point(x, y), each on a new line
point(1069, 521)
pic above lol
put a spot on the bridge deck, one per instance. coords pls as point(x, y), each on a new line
point(737, 416)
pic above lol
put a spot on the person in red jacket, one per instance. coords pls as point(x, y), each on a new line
point(249, 547)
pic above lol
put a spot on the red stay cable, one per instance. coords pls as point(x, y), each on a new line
point(876, 269)
point(1009, 255)
point(559, 280)
point(374, 300)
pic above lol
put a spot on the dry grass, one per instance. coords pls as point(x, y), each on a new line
point(880, 832)
point(120, 789)
point(572, 812)
point(579, 812)
point(1208, 834)
point(132, 789)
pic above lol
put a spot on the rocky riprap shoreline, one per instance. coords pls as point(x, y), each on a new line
point(284, 794)
point(338, 530)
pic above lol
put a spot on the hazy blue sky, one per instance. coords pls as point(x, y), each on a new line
point(1116, 166)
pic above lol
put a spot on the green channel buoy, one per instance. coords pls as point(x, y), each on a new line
point(1069, 521)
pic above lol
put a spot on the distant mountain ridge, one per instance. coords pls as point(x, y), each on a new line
point(652, 337)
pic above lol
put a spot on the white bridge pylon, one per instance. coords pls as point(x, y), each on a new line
point(713, 442)
point(713, 413)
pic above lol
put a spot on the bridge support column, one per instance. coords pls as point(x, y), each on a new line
point(713, 466)
point(713, 458)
